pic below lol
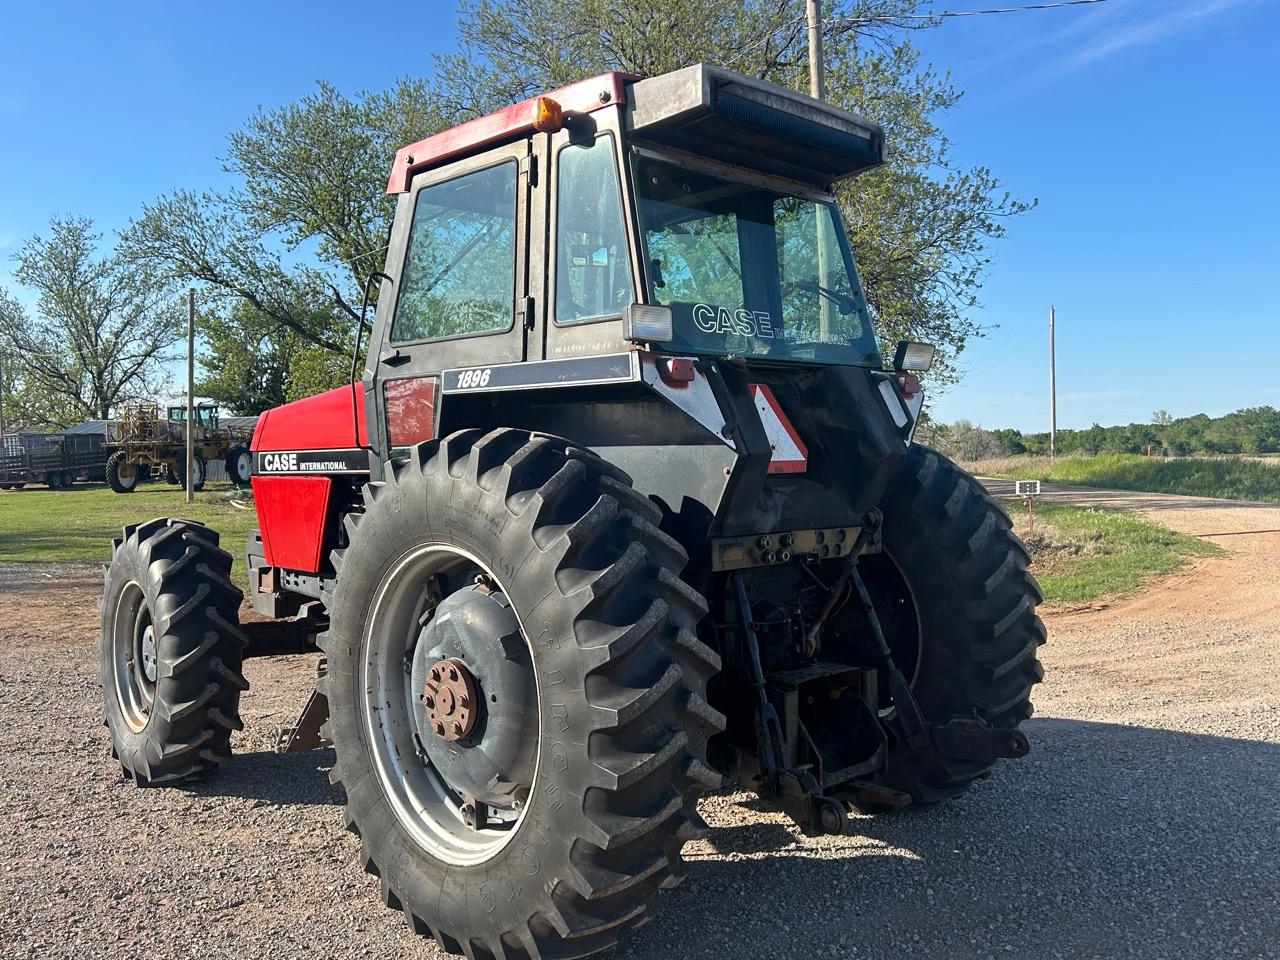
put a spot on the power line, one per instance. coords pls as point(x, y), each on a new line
point(895, 18)
point(966, 13)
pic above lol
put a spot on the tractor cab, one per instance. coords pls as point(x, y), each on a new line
point(684, 214)
point(206, 415)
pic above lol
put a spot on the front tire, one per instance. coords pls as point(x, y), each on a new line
point(607, 629)
point(122, 476)
point(957, 603)
point(180, 471)
point(170, 652)
point(239, 464)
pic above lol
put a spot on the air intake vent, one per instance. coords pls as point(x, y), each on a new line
point(762, 126)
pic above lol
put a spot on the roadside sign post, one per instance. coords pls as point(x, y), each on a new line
point(1028, 490)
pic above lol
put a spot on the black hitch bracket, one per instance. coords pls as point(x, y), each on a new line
point(973, 740)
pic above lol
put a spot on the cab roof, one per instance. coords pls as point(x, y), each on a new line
point(703, 110)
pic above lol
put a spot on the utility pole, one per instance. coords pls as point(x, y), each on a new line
point(2, 392)
point(1053, 394)
point(817, 80)
point(191, 376)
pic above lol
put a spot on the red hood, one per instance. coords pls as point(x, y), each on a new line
point(322, 422)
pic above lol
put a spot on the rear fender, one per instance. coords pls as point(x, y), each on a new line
point(697, 446)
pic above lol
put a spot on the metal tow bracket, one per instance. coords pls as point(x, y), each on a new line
point(305, 734)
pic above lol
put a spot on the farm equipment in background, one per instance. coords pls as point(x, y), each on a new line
point(55, 459)
point(144, 445)
point(625, 502)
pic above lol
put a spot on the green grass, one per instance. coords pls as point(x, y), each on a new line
point(1230, 479)
point(1081, 554)
point(77, 524)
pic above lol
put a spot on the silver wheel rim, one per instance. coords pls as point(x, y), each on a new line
point(423, 803)
point(133, 657)
point(127, 474)
point(243, 467)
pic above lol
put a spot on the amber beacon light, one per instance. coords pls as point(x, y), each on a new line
point(547, 116)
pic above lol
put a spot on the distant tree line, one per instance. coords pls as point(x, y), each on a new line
point(1254, 430)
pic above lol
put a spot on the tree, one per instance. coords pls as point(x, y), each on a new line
point(310, 218)
point(1011, 440)
point(285, 255)
point(1161, 418)
point(252, 363)
point(100, 334)
point(966, 442)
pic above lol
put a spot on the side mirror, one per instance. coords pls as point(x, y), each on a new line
point(645, 323)
point(913, 357)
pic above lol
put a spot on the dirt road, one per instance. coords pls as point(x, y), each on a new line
point(1145, 823)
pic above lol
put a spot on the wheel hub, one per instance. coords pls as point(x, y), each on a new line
point(450, 699)
point(476, 707)
point(148, 651)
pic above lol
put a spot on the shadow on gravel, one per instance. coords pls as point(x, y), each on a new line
point(1107, 841)
point(277, 778)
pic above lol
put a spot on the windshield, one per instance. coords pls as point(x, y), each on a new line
point(749, 270)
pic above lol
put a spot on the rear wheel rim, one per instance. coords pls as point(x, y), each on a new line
point(127, 473)
point(424, 803)
point(243, 467)
point(135, 666)
point(897, 610)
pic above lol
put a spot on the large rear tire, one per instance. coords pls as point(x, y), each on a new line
point(606, 628)
point(957, 603)
point(170, 652)
point(122, 476)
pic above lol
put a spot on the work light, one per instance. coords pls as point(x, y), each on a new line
point(913, 356)
point(645, 323)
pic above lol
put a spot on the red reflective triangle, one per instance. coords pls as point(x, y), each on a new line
point(790, 455)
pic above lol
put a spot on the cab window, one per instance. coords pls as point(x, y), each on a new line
point(593, 269)
point(459, 269)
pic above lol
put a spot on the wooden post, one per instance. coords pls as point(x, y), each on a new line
point(1053, 394)
point(191, 374)
point(817, 80)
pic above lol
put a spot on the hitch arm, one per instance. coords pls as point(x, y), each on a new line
point(768, 726)
point(910, 719)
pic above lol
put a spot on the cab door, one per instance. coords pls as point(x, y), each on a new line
point(458, 294)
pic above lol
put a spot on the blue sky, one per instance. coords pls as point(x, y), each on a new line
point(1146, 128)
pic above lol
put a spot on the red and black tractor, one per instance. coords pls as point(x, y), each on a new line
point(624, 504)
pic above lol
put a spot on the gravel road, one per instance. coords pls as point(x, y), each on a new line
point(1144, 824)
